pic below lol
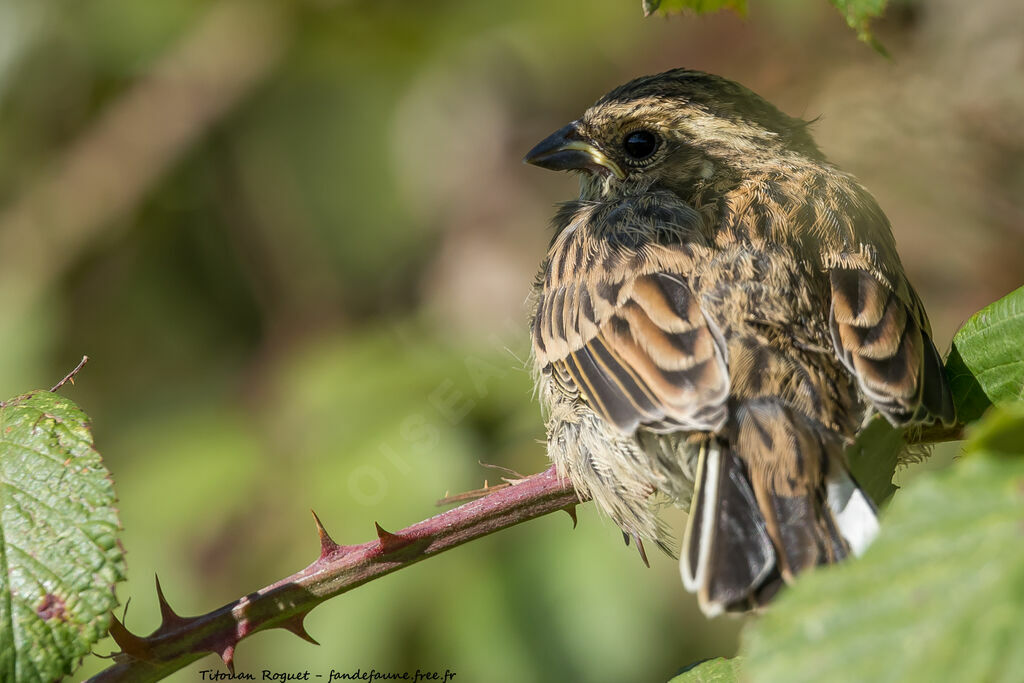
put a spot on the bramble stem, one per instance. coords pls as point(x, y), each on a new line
point(180, 641)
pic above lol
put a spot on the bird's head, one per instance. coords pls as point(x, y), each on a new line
point(673, 130)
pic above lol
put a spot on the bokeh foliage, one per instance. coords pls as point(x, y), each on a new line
point(858, 13)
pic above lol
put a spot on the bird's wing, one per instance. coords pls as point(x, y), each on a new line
point(627, 332)
point(881, 334)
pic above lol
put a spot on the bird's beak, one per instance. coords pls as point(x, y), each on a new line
point(568, 150)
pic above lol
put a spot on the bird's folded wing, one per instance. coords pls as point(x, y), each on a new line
point(881, 335)
point(638, 348)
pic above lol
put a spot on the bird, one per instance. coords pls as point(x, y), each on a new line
point(719, 312)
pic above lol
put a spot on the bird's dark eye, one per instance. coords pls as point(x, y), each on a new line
point(640, 144)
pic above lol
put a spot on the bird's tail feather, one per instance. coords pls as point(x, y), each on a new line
point(726, 552)
point(745, 537)
point(853, 511)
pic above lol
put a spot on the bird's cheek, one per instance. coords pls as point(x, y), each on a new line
point(595, 186)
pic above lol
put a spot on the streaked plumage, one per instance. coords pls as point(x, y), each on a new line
point(720, 306)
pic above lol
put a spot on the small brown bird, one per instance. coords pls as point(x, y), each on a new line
point(716, 314)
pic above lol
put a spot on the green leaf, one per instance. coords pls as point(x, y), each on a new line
point(939, 596)
point(970, 399)
point(858, 15)
point(698, 6)
point(986, 364)
point(59, 551)
point(1001, 432)
point(873, 458)
point(719, 670)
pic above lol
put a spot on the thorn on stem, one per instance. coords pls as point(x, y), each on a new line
point(390, 542)
point(295, 625)
point(70, 377)
point(129, 643)
point(168, 617)
point(571, 511)
point(327, 544)
point(228, 655)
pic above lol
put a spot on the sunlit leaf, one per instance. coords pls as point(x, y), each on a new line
point(58, 539)
point(859, 14)
point(719, 670)
point(698, 6)
point(986, 364)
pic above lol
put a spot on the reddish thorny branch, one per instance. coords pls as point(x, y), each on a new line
point(179, 641)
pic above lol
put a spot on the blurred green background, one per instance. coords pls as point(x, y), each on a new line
point(295, 239)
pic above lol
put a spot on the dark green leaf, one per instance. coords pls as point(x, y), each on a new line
point(938, 597)
point(58, 539)
point(986, 364)
point(970, 399)
point(698, 6)
point(873, 458)
point(719, 670)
